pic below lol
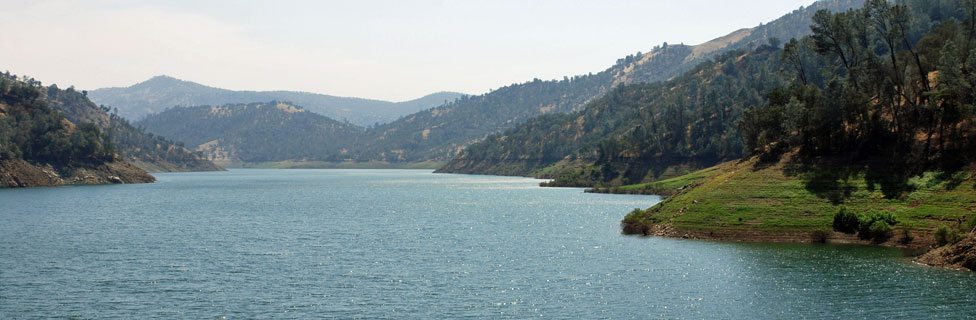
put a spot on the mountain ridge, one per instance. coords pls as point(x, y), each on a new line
point(257, 132)
point(160, 92)
point(440, 133)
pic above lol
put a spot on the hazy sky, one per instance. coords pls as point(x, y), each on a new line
point(389, 50)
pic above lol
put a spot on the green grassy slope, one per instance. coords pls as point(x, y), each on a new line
point(743, 201)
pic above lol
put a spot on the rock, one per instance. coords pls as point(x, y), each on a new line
point(960, 255)
point(635, 228)
point(21, 174)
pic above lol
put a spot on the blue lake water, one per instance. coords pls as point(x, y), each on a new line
point(410, 244)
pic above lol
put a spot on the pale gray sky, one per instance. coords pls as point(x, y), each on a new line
point(389, 50)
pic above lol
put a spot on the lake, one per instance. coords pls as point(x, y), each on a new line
point(255, 243)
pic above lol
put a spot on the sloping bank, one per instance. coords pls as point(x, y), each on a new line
point(783, 202)
point(17, 173)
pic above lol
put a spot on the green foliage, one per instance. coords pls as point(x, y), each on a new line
point(945, 235)
point(634, 216)
point(879, 231)
point(635, 133)
point(152, 153)
point(846, 221)
point(740, 198)
point(876, 225)
point(864, 87)
point(438, 133)
point(33, 131)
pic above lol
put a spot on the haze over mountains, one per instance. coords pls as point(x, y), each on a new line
point(161, 92)
point(440, 133)
point(256, 132)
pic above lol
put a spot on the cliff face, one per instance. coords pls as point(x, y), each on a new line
point(22, 174)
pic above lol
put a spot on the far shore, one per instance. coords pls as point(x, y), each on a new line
point(331, 165)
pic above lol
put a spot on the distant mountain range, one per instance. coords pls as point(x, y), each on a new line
point(440, 133)
point(256, 132)
point(161, 92)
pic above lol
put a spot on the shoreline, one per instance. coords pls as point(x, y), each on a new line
point(959, 256)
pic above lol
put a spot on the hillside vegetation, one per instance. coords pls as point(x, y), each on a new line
point(145, 150)
point(637, 132)
point(440, 133)
point(39, 147)
point(256, 133)
point(873, 140)
point(649, 130)
point(749, 200)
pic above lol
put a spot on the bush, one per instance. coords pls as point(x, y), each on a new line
point(945, 235)
point(634, 216)
point(906, 235)
point(846, 221)
point(879, 230)
point(876, 225)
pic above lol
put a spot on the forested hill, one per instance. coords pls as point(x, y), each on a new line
point(162, 92)
point(849, 89)
point(145, 150)
point(875, 135)
point(39, 147)
point(668, 61)
point(440, 133)
point(257, 132)
point(546, 140)
point(637, 132)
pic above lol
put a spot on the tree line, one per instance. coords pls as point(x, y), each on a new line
point(884, 81)
point(31, 130)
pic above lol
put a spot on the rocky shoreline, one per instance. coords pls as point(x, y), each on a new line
point(23, 174)
point(958, 256)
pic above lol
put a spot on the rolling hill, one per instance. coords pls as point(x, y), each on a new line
point(39, 147)
point(687, 120)
point(162, 92)
point(147, 151)
point(257, 132)
point(440, 133)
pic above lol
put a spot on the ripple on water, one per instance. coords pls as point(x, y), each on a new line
point(410, 244)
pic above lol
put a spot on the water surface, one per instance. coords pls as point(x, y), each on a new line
point(411, 244)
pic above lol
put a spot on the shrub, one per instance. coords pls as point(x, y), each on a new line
point(632, 223)
point(906, 235)
point(634, 216)
point(945, 235)
point(876, 225)
point(879, 230)
point(846, 221)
